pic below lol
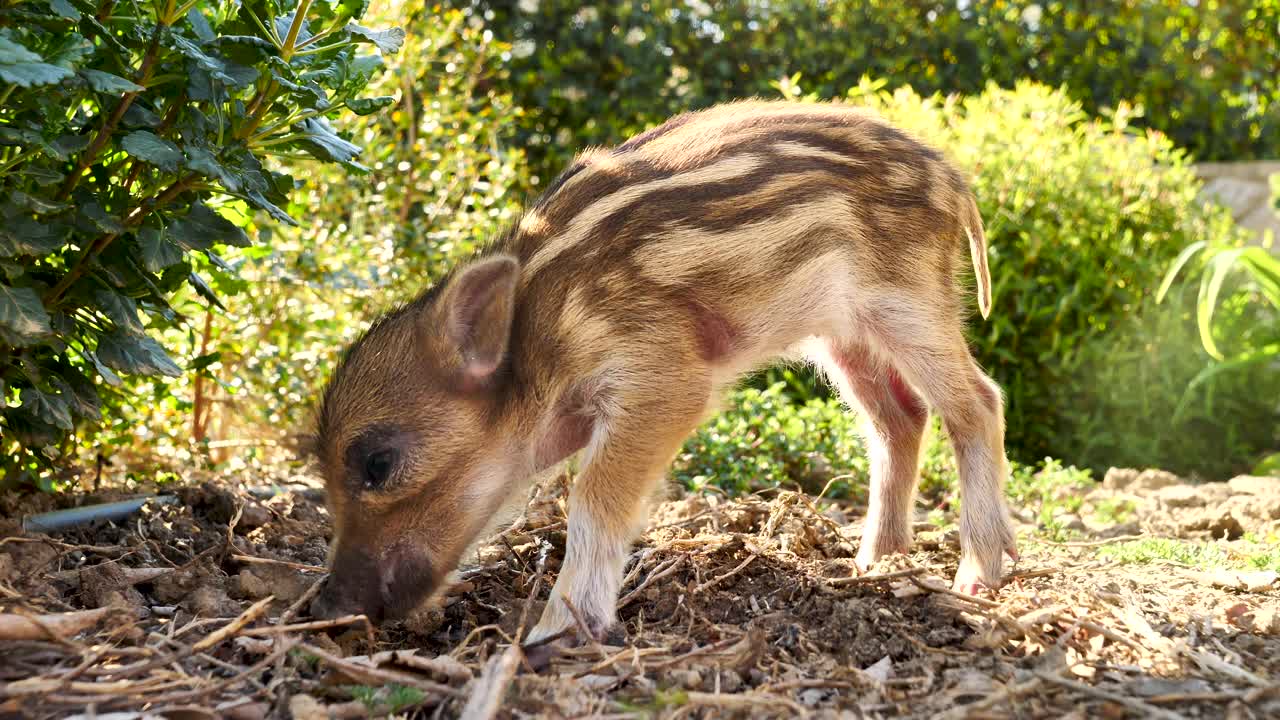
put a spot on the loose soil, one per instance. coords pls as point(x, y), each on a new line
point(746, 607)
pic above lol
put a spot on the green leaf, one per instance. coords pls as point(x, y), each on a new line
point(67, 145)
point(140, 116)
point(64, 9)
point(1210, 285)
point(108, 376)
point(206, 163)
point(149, 147)
point(319, 139)
point(368, 106)
point(22, 313)
point(107, 83)
point(199, 25)
point(80, 395)
point(157, 252)
point(204, 291)
point(262, 203)
point(100, 218)
point(23, 236)
point(202, 228)
point(1178, 263)
point(122, 311)
point(51, 409)
point(135, 353)
point(24, 68)
point(388, 41)
point(204, 361)
point(37, 205)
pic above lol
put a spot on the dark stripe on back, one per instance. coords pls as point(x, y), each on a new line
point(653, 133)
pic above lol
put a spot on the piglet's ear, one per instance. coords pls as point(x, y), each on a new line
point(476, 310)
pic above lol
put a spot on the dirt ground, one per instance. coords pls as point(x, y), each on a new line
point(748, 607)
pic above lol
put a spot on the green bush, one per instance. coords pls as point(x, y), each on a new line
point(428, 197)
point(139, 140)
point(1207, 73)
point(766, 439)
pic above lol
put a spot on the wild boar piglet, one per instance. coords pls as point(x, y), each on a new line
point(644, 282)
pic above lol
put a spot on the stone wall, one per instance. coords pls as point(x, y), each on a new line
point(1245, 188)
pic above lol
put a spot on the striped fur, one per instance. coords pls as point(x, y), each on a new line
point(644, 282)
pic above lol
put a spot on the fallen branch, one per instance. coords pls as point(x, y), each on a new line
point(488, 691)
point(868, 579)
point(376, 676)
point(57, 626)
point(252, 613)
point(268, 561)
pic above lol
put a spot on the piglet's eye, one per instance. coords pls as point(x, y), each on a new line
point(377, 468)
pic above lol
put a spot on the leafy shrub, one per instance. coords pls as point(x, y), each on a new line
point(1084, 217)
point(764, 439)
point(443, 176)
point(138, 142)
point(1207, 73)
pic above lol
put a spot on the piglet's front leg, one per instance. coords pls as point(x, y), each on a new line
point(607, 505)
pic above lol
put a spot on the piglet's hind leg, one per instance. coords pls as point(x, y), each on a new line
point(894, 417)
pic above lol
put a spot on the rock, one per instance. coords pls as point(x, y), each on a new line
point(1254, 485)
point(730, 681)
point(251, 586)
point(252, 516)
point(211, 601)
point(688, 679)
point(305, 707)
point(106, 584)
point(1133, 527)
point(1154, 480)
point(1220, 522)
point(813, 696)
point(882, 670)
point(1180, 496)
point(1119, 478)
point(1260, 508)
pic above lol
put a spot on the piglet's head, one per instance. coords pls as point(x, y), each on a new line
point(408, 441)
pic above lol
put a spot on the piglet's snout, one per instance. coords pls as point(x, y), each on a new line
point(352, 588)
point(381, 589)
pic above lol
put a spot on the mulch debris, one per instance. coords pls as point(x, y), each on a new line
point(747, 607)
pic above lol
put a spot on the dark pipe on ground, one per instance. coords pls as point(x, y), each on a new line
point(72, 517)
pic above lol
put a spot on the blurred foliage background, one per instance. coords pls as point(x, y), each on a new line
point(1078, 120)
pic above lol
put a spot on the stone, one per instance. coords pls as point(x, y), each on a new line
point(1220, 522)
point(1154, 480)
point(1119, 478)
point(1180, 496)
point(253, 516)
point(1254, 485)
point(730, 681)
point(211, 601)
point(305, 707)
point(251, 586)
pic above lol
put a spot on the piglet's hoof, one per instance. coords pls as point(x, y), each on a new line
point(538, 655)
